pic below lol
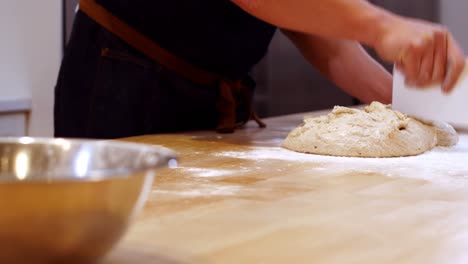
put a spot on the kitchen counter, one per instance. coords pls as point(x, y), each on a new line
point(14, 116)
point(240, 198)
point(15, 104)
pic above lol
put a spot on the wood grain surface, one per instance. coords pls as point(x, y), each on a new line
point(241, 199)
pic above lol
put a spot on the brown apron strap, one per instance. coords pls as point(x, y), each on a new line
point(144, 44)
point(229, 91)
point(234, 94)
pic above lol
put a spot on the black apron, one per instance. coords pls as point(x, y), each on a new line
point(121, 92)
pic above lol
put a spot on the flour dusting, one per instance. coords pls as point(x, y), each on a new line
point(208, 172)
point(442, 165)
point(204, 190)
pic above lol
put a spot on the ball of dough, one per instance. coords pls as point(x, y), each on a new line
point(375, 131)
point(446, 134)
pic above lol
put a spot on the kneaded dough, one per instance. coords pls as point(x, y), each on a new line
point(375, 131)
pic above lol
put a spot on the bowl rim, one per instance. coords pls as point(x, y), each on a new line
point(166, 157)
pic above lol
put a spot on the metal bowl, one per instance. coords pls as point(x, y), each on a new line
point(70, 201)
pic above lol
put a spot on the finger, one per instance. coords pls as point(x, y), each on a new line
point(399, 65)
point(412, 63)
point(455, 65)
point(440, 56)
point(427, 63)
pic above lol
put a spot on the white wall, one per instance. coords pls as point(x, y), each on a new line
point(30, 53)
point(454, 16)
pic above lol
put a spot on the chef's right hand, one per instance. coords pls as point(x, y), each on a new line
point(426, 53)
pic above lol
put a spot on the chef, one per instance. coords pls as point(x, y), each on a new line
point(141, 67)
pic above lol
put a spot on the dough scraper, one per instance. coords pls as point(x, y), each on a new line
point(430, 104)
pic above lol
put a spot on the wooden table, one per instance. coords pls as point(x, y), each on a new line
point(241, 199)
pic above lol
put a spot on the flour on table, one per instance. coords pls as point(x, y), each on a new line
point(442, 164)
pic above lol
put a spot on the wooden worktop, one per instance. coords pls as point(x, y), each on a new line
point(241, 199)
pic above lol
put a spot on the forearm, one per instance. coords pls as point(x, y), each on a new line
point(347, 65)
point(348, 19)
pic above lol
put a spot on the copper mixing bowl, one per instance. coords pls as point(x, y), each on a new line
point(70, 200)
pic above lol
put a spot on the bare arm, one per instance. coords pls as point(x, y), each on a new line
point(425, 52)
point(346, 64)
point(351, 19)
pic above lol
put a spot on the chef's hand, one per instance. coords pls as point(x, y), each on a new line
point(426, 53)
